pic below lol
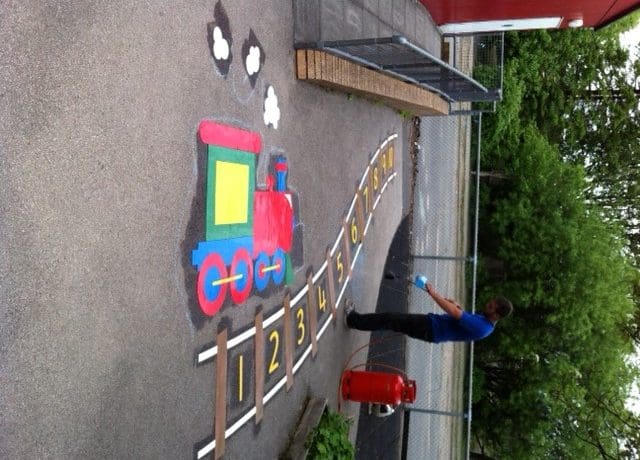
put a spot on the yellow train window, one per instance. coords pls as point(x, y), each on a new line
point(232, 193)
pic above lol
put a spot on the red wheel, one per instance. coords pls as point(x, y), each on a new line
point(210, 294)
point(241, 265)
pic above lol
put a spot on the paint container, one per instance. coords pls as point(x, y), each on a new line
point(421, 281)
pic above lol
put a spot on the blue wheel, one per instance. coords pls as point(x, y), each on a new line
point(279, 258)
point(242, 266)
point(262, 277)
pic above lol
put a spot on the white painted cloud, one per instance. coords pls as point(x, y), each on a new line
point(220, 45)
point(253, 60)
point(271, 109)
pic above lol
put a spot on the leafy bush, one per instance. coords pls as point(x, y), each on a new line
point(553, 381)
point(330, 439)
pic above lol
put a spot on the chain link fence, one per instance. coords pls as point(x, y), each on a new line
point(437, 424)
point(444, 248)
point(481, 56)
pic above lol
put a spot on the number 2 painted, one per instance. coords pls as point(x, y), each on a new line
point(275, 338)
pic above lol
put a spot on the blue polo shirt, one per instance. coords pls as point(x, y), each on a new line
point(471, 326)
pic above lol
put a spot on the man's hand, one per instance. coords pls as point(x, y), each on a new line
point(450, 306)
point(429, 288)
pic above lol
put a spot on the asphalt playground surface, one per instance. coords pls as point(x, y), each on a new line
point(381, 437)
point(101, 203)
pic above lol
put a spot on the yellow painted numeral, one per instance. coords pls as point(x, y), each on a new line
point(275, 338)
point(376, 179)
point(240, 377)
point(390, 157)
point(354, 231)
point(340, 266)
point(365, 194)
point(300, 317)
point(322, 299)
point(384, 163)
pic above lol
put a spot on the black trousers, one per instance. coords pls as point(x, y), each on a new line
point(414, 325)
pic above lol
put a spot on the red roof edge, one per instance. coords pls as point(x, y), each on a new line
point(620, 15)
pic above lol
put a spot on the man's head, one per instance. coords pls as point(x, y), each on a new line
point(497, 308)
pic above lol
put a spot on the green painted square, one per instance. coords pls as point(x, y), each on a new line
point(227, 156)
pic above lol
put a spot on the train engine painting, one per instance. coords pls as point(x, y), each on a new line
point(249, 232)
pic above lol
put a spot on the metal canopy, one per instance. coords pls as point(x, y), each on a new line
point(399, 57)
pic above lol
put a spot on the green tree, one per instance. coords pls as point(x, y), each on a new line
point(574, 86)
point(560, 236)
point(539, 381)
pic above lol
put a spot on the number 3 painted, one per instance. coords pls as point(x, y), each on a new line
point(300, 317)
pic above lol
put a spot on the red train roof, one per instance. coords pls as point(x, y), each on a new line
point(231, 137)
point(594, 13)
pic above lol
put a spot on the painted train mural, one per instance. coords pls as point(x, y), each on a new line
point(249, 232)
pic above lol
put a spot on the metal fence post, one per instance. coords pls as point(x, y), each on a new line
point(464, 415)
point(454, 258)
point(474, 280)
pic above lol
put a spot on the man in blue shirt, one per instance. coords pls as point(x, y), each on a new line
point(455, 325)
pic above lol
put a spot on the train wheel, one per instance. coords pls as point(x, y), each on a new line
point(279, 258)
point(262, 278)
point(241, 265)
point(210, 294)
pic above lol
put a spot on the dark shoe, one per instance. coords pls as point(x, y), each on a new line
point(348, 309)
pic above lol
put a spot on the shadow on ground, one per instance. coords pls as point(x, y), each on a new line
point(381, 437)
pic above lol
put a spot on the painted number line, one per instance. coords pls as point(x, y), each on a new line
point(249, 415)
point(353, 205)
point(317, 276)
point(299, 295)
point(344, 287)
point(370, 218)
point(325, 325)
point(338, 241)
point(365, 176)
point(355, 257)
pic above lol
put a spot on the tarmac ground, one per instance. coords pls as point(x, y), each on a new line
point(102, 201)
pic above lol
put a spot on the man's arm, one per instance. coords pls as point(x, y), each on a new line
point(448, 305)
